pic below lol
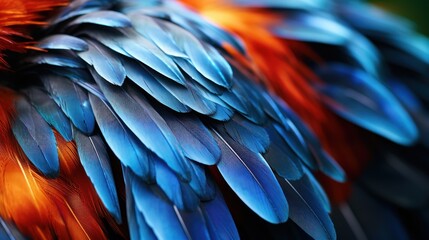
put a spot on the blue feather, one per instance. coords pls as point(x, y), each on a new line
point(235, 101)
point(80, 77)
point(160, 216)
point(219, 219)
point(318, 189)
point(8, 231)
point(197, 142)
point(253, 93)
point(250, 135)
point(196, 25)
point(386, 28)
point(195, 224)
point(63, 42)
point(60, 59)
point(361, 99)
point(36, 138)
point(201, 183)
point(320, 159)
point(187, 94)
point(223, 111)
point(151, 29)
point(149, 54)
point(306, 210)
point(80, 7)
point(187, 66)
point(287, 129)
point(72, 100)
point(204, 57)
point(293, 137)
point(103, 18)
point(252, 180)
point(95, 161)
point(282, 158)
point(50, 111)
point(146, 124)
point(372, 20)
point(241, 99)
point(145, 232)
point(323, 28)
point(328, 165)
point(141, 76)
point(137, 225)
point(104, 62)
point(121, 140)
point(405, 95)
point(180, 193)
point(306, 5)
point(313, 27)
point(131, 44)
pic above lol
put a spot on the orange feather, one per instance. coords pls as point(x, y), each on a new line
point(66, 207)
point(17, 17)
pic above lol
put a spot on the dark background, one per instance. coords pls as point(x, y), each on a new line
point(415, 10)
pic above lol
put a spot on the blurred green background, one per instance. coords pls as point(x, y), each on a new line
point(415, 10)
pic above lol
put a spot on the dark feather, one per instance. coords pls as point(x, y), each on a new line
point(73, 101)
point(50, 111)
point(36, 138)
point(95, 161)
point(307, 211)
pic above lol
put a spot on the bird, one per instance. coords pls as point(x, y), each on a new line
point(166, 119)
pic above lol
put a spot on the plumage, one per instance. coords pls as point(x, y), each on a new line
point(131, 44)
point(217, 119)
point(144, 121)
